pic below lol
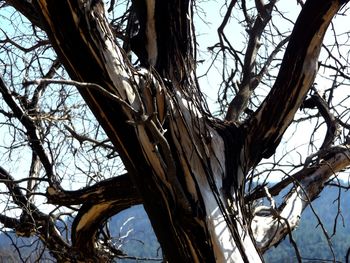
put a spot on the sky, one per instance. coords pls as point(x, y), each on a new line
point(295, 144)
point(296, 137)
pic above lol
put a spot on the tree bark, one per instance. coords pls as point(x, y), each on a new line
point(189, 169)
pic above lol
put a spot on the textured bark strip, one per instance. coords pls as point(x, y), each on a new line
point(80, 35)
point(230, 238)
point(177, 160)
point(69, 33)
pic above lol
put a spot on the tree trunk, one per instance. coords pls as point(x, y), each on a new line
point(189, 168)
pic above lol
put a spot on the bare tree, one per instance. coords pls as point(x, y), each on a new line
point(199, 176)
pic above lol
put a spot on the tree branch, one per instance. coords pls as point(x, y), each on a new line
point(316, 101)
point(32, 131)
point(32, 221)
point(298, 69)
point(249, 80)
point(268, 228)
point(9, 222)
point(102, 201)
point(28, 10)
point(90, 54)
point(116, 188)
point(82, 138)
point(277, 188)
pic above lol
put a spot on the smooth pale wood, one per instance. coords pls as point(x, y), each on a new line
point(188, 169)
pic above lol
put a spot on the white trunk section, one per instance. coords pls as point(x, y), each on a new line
point(187, 127)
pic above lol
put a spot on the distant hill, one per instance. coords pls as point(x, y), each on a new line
point(134, 235)
point(311, 241)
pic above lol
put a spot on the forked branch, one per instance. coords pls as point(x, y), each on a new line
point(295, 78)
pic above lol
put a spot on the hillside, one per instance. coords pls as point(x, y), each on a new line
point(135, 236)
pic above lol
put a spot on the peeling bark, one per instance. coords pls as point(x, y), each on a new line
point(189, 170)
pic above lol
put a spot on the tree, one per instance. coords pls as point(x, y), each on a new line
point(193, 172)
